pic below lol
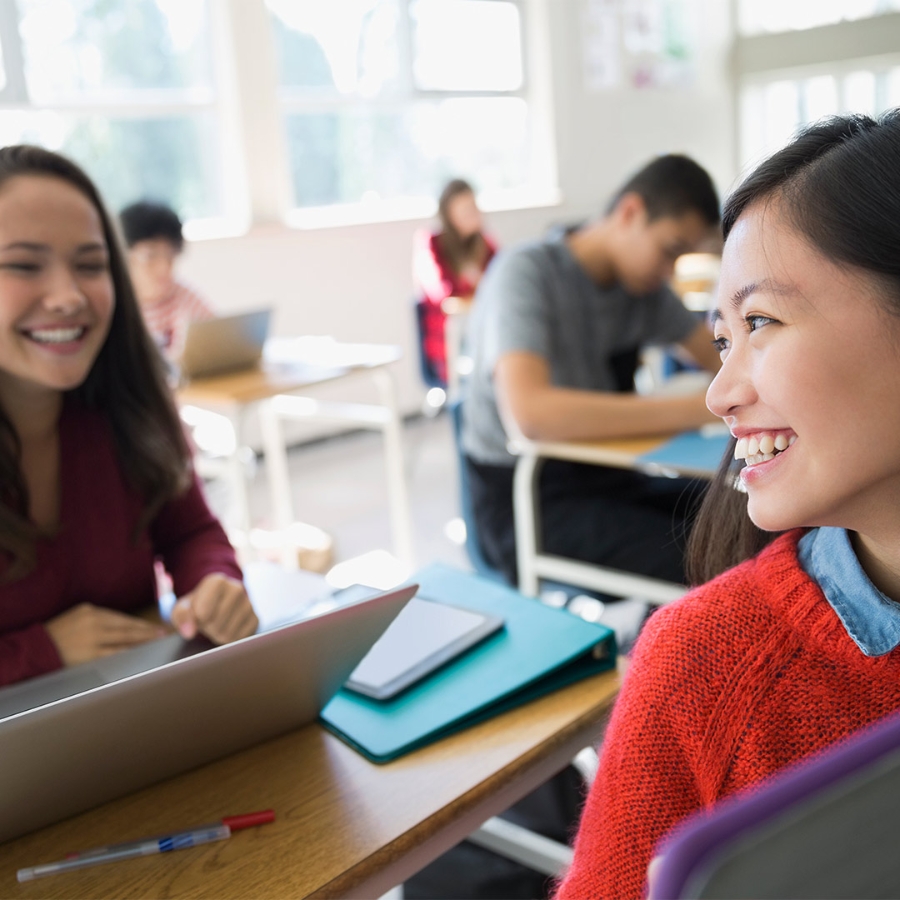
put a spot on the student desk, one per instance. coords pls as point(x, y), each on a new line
point(344, 826)
point(626, 454)
point(292, 366)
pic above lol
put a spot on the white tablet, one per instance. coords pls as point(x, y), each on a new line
point(424, 636)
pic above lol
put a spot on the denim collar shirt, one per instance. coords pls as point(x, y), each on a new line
point(871, 618)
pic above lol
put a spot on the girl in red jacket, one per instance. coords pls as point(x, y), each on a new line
point(793, 644)
point(449, 263)
point(96, 481)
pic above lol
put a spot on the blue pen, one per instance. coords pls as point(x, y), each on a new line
point(180, 840)
point(146, 847)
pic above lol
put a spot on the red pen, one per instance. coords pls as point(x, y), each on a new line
point(180, 840)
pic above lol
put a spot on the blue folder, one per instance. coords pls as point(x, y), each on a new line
point(539, 650)
point(694, 450)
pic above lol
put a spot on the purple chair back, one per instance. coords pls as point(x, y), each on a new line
point(827, 827)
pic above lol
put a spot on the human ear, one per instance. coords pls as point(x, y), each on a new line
point(630, 208)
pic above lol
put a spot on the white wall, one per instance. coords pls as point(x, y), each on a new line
point(354, 282)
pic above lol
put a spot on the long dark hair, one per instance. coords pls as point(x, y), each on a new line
point(127, 383)
point(456, 248)
point(838, 182)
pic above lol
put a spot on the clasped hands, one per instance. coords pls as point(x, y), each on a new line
point(218, 608)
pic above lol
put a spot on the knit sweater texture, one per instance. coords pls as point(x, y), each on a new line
point(730, 684)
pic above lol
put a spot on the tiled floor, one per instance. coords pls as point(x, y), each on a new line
point(339, 485)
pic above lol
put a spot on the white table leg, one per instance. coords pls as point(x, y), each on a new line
point(237, 477)
point(526, 513)
point(453, 328)
point(398, 495)
point(278, 478)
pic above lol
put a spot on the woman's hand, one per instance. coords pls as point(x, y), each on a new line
point(218, 608)
point(87, 632)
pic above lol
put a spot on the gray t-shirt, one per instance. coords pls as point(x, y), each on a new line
point(537, 298)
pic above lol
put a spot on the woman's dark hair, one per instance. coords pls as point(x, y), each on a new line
point(838, 184)
point(456, 248)
point(127, 383)
point(148, 220)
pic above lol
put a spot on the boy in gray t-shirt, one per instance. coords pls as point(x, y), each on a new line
point(555, 334)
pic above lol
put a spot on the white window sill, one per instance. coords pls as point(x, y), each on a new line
point(374, 213)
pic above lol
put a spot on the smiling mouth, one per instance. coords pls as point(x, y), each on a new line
point(762, 448)
point(56, 335)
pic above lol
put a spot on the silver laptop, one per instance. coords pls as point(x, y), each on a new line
point(224, 344)
point(168, 707)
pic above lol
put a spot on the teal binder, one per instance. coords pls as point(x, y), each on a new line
point(539, 650)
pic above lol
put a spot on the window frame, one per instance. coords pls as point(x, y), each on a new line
point(294, 101)
point(123, 105)
point(838, 49)
point(249, 107)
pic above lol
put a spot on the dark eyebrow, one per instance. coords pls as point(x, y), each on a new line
point(739, 296)
point(26, 245)
point(33, 247)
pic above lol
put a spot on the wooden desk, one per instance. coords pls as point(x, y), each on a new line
point(534, 565)
point(345, 827)
point(626, 453)
point(292, 366)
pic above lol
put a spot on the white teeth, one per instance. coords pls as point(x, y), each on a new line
point(56, 335)
point(761, 448)
point(759, 458)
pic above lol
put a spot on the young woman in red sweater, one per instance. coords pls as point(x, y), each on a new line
point(793, 644)
point(449, 263)
point(96, 482)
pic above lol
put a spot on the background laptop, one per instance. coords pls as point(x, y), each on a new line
point(189, 708)
point(224, 344)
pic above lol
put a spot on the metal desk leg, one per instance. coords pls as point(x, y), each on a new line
point(279, 478)
point(398, 496)
point(237, 476)
point(453, 329)
point(526, 513)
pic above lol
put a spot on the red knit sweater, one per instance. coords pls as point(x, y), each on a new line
point(733, 682)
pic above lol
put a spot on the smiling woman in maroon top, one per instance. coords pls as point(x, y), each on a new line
point(96, 481)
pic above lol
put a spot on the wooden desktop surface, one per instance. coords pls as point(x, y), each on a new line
point(621, 453)
point(294, 365)
point(624, 453)
point(345, 827)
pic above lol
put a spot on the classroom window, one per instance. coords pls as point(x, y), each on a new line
point(489, 31)
point(761, 16)
point(124, 87)
point(384, 100)
point(771, 111)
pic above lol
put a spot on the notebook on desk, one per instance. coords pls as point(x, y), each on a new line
point(146, 714)
point(224, 344)
point(697, 451)
point(539, 650)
